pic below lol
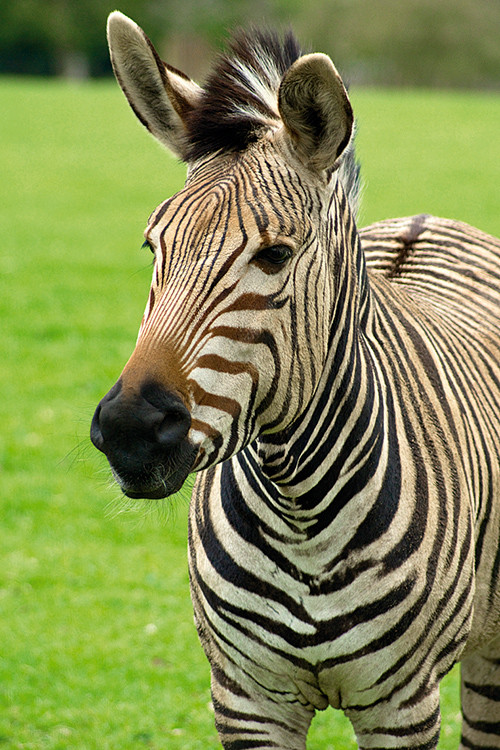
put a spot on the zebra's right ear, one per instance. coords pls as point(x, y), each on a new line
point(160, 95)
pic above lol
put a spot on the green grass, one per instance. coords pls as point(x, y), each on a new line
point(97, 644)
point(430, 152)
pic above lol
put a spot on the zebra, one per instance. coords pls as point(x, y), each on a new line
point(337, 394)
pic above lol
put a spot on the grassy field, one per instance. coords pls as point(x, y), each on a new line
point(97, 644)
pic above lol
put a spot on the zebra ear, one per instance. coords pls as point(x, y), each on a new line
point(160, 95)
point(316, 111)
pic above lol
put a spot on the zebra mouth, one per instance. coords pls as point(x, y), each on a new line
point(151, 494)
point(149, 491)
point(145, 494)
point(156, 482)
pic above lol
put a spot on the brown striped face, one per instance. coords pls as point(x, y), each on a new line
point(231, 324)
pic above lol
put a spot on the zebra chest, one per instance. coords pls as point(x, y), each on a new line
point(294, 637)
point(273, 611)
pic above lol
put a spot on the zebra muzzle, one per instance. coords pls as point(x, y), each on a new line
point(144, 436)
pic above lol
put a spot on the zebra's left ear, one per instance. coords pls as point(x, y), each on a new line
point(316, 111)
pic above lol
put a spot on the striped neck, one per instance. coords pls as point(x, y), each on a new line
point(327, 456)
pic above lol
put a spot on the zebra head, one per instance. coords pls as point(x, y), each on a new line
point(236, 329)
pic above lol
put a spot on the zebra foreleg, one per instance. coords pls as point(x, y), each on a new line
point(481, 699)
point(257, 722)
point(395, 725)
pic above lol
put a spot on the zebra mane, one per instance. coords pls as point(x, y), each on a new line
point(240, 96)
point(240, 100)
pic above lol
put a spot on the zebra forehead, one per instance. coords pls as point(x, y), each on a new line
point(196, 205)
point(192, 227)
point(240, 96)
point(236, 195)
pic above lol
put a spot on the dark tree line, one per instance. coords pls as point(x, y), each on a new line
point(416, 42)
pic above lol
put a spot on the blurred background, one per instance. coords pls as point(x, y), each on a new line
point(450, 43)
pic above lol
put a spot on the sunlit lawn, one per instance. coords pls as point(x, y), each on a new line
point(97, 644)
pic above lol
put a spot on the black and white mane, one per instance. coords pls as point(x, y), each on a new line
point(240, 100)
point(240, 95)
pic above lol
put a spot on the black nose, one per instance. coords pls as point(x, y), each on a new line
point(156, 416)
point(142, 434)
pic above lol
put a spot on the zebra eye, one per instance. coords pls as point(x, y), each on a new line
point(272, 258)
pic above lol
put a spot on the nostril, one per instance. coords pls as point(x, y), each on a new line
point(173, 427)
point(169, 419)
point(95, 430)
point(98, 420)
